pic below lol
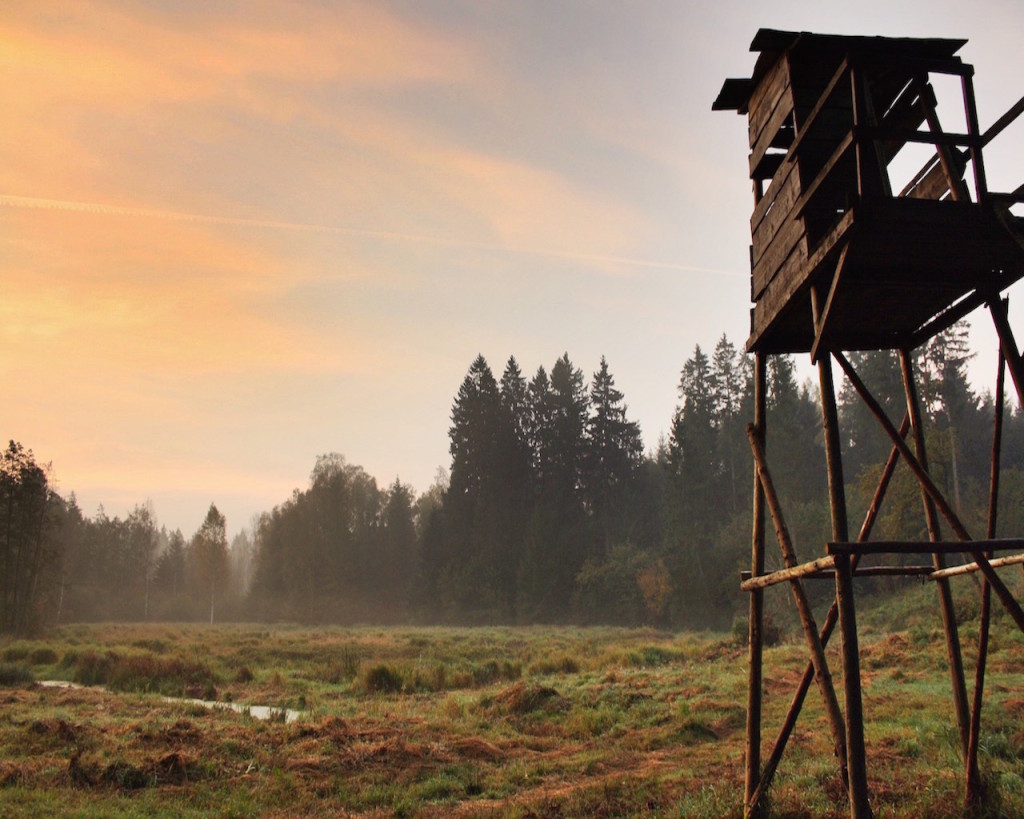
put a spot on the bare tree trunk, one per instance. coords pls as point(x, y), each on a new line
point(60, 600)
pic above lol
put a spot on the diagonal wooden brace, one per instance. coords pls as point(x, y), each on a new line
point(998, 586)
point(831, 618)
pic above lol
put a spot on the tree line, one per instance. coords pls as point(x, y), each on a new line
point(552, 510)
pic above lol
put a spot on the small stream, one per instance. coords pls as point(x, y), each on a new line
point(265, 712)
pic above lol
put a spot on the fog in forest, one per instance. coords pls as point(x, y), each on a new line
point(552, 508)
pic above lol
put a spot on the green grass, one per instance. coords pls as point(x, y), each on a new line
point(477, 722)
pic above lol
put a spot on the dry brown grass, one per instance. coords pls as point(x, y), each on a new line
point(648, 724)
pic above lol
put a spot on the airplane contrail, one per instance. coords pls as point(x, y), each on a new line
point(8, 200)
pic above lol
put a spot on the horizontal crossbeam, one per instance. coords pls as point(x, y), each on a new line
point(924, 547)
point(823, 569)
point(968, 568)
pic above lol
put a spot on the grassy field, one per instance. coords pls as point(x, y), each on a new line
point(474, 722)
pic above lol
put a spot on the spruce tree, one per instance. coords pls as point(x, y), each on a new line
point(613, 457)
point(555, 541)
point(694, 466)
point(470, 585)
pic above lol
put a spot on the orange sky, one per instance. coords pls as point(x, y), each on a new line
point(234, 238)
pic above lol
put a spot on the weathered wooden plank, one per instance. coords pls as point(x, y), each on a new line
point(778, 220)
point(768, 166)
point(784, 176)
point(789, 282)
point(787, 252)
point(765, 99)
point(805, 122)
point(781, 117)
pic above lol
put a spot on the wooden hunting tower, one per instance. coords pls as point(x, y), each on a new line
point(844, 258)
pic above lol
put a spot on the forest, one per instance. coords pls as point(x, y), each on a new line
point(552, 509)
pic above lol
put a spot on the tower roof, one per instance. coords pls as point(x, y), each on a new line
point(770, 44)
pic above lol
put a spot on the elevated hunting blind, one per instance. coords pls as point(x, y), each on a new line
point(852, 249)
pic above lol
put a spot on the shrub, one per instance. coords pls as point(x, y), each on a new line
point(16, 653)
point(15, 674)
point(771, 633)
point(383, 679)
point(43, 656)
point(92, 668)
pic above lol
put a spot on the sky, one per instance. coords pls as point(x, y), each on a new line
point(237, 235)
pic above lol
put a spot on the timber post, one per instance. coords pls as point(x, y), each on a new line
point(756, 617)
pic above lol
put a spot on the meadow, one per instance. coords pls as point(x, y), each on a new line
point(529, 722)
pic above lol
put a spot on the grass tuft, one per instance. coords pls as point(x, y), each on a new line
point(383, 679)
point(172, 676)
point(43, 656)
point(524, 697)
point(15, 674)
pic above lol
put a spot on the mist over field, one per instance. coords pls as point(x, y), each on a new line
point(552, 509)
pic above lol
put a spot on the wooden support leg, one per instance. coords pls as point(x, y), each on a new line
point(855, 750)
point(975, 790)
point(856, 753)
point(756, 622)
point(953, 653)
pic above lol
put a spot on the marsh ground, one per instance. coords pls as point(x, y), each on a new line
point(529, 721)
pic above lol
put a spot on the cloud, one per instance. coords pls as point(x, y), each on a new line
point(105, 102)
point(137, 293)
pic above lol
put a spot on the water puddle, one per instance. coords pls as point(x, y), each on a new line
point(264, 712)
